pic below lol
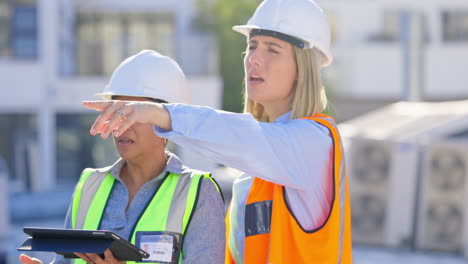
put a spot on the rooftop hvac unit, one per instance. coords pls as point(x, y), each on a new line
point(381, 209)
point(370, 170)
point(442, 222)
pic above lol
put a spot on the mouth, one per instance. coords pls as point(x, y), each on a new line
point(125, 141)
point(255, 80)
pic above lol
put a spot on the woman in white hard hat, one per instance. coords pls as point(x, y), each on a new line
point(292, 205)
point(148, 193)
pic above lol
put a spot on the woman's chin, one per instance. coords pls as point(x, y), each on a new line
point(127, 155)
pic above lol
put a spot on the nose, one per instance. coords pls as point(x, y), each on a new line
point(254, 57)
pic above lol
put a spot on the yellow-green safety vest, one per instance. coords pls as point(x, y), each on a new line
point(165, 212)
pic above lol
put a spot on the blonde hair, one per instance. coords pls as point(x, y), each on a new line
point(309, 96)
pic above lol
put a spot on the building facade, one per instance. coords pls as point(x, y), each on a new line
point(387, 51)
point(56, 53)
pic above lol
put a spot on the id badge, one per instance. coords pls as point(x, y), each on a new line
point(162, 247)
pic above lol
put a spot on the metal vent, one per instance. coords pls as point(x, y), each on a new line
point(371, 162)
point(369, 180)
point(442, 210)
point(448, 170)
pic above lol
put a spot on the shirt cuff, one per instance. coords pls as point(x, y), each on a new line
point(172, 109)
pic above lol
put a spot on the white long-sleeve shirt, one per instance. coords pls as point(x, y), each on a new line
point(292, 153)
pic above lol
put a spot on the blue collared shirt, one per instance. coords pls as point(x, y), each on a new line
point(293, 153)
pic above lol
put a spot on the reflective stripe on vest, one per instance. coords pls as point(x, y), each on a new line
point(273, 234)
point(170, 209)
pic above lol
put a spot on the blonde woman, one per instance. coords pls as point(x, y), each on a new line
point(292, 204)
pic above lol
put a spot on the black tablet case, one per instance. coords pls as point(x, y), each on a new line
point(67, 241)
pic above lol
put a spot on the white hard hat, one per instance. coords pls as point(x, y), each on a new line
point(148, 74)
point(302, 20)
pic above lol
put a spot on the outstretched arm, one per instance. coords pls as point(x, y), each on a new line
point(118, 116)
point(293, 154)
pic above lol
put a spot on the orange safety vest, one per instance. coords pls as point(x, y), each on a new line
point(279, 239)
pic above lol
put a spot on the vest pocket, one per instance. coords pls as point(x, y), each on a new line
point(258, 218)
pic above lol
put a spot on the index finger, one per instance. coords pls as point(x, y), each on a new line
point(84, 257)
point(25, 259)
point(95, 258)
point(102, 121)
point(97, 105)
point(109, 256)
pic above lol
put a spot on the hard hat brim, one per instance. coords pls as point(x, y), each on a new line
point(108, 96)
point(245, 30)
point(105, 96)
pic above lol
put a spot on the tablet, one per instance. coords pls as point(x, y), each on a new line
point(67, 241)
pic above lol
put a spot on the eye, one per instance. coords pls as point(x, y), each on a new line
point(252, 47)
point(273, 51)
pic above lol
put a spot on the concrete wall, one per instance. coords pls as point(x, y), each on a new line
point(445, 72)
point(20, 86)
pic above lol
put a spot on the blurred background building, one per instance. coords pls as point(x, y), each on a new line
point(387, 51)
point(56, 53)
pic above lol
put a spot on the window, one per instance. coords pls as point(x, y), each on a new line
point(333, 21)
point(391, 25)
point(18, 146)
point(77, 150)
point(455, 26)
point(24, 32)
point(18, 29)
point(397, 22)
point(105, 39)
point(5, 15)
point(390, 31)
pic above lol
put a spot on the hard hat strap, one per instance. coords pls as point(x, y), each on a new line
point(294, 41)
